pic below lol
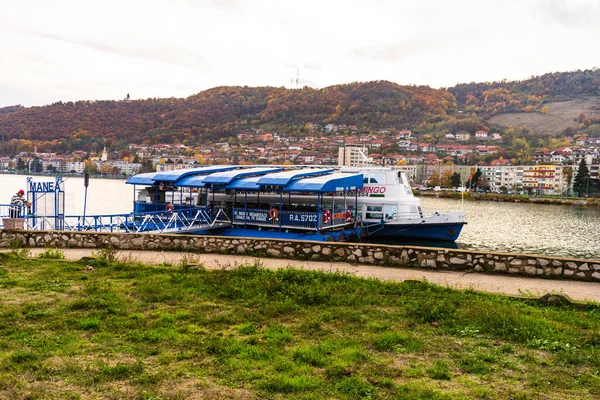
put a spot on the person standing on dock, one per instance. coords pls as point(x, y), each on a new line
point(17, 202)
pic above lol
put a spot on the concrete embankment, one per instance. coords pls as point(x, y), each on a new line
point(369, 254)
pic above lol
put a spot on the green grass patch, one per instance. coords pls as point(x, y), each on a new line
point(126, 330)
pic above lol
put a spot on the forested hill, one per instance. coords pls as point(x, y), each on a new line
point(217, 113)
point(487, 99)
point(225, 111)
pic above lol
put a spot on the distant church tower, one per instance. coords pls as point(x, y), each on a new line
point(104, 154)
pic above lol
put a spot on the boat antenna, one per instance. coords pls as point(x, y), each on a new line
point(366, 159)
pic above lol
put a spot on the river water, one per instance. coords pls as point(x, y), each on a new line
point(494, 226)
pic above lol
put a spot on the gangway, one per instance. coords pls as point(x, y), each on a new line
point(195, 220)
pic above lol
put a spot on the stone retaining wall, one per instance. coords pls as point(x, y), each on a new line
point(401, 256)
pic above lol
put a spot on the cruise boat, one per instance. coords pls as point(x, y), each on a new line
point(343, 204)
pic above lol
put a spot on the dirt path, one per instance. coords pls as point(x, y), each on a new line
point(581, 291)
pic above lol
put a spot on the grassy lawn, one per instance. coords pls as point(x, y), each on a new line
point(126, 330)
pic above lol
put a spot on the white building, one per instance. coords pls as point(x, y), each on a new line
point(173, 167)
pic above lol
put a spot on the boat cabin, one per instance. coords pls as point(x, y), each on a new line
point(305, 199)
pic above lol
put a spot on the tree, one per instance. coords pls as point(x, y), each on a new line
point(455, 180)
point(90, 168)
point(20, 164)
point(475, 179)
point(105, 169)
point(582, 178)
point(545, 110)
point(36, 165)
point(446, 179)
point(568, 173)
point(433, 179)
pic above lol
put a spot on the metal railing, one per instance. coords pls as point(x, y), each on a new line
point(430, 214)
point(155, 222)
point(5, 212)
point(180, 220)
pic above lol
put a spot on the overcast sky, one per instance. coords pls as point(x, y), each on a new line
point(68, 50)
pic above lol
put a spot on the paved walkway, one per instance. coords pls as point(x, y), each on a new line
point(576, 290)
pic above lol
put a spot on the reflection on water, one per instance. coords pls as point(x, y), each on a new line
point(494, 226)
point(526, 228)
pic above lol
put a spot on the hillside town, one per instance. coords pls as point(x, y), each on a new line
point(549, 172)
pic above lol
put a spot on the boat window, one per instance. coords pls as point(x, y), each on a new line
point(390, 211)
point(376, 177)
point(374, 212)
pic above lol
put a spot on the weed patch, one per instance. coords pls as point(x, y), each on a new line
point(52, 254)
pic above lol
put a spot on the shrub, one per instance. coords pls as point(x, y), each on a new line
point(51, 254)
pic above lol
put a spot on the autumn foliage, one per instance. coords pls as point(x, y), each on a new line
point(215, 114)
point(223, 112)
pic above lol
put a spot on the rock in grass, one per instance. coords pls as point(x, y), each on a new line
point(555, 299)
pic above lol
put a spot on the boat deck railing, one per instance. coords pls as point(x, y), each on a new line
point(150, 222)
point(438, 213)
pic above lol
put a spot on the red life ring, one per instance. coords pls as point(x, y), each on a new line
point(326, 217)
point(274, 213)
point(170, 207)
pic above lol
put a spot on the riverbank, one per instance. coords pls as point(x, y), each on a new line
point(109, 328)
point(548, 200)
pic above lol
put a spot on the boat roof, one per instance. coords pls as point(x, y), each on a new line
point(226, 177)
point(141, 179)
point(284, 178)
point(337, 182)
point(249, 184)
point(312, 180)
point(196, 181)
point(174, 176)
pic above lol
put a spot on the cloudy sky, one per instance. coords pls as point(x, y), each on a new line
point(68, 50)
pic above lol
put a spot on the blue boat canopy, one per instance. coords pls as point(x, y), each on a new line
point(195, 181)
point(283, 178)
point(337, 182)
point(226, 177)
point(312, 180)
point(174, 176)
point(142, 179)
point(245, 184)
